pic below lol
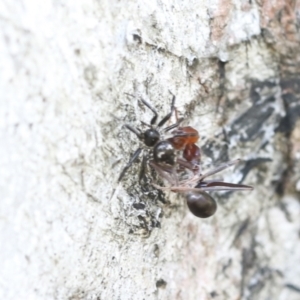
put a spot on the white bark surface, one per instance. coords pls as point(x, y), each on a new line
point(65, 69)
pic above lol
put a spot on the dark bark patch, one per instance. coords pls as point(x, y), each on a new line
point(253, 163)
point(257, 87)
point(138, 205)
point(251, 123)
point(292, 109)
point(161, 283)
point(293, 287)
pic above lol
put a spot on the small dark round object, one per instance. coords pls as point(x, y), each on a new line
point(202, 205)
point(151, 137)
point(164, 152)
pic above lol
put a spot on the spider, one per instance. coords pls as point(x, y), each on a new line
point(199, 202)
point(163, 151)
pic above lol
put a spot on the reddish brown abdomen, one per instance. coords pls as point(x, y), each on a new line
point(184, 136)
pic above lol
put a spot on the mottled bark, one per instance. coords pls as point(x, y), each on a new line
point(66, 70)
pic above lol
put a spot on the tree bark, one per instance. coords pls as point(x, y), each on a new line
point(66, 72)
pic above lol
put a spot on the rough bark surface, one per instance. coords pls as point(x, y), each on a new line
point(65, 69)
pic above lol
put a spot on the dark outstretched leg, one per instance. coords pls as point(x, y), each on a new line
point(174, 125)
point(137, 132)
point(143, 169)
point(168, 116)
point(154, 119)
point(133, 158)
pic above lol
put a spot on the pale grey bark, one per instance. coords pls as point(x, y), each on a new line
point(65, 69)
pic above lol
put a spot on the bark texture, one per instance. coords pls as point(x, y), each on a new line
point(65, 69)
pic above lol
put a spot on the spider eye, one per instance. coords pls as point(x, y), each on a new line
point(151, 137)
point(164, 152)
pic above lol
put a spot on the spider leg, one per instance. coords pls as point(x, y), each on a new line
point(154, 119)
point(176, 112)
point(137, 132)
point(168, 116)
point(174, 125)
point(143, 169)
point(132, 159)
point(146, 124)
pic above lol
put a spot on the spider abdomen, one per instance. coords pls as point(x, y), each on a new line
point(164, 153)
